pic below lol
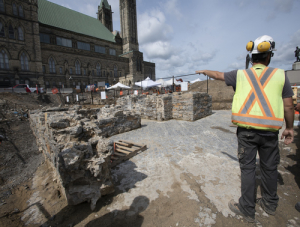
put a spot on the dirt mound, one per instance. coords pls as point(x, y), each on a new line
point(222, 94)
point(27, 101)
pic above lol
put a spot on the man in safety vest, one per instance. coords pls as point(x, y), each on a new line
point(262, 100)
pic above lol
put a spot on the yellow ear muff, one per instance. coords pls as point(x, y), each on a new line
point(264, 46)
point(250, 46)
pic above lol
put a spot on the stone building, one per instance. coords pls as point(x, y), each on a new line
point(47, 44)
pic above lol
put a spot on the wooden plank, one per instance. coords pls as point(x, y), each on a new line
point(114, 158)
point(119, 154)
point(122, 151)
point(125, 144)
point(122, 159)
point(141, 149)
point(125, 148)
point(135, 144)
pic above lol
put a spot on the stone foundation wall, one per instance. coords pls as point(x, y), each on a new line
point(189, 106)
point(74, 142)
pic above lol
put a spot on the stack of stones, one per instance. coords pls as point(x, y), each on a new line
point(189, 106)
point(74, 142)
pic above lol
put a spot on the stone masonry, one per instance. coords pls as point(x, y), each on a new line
point(74, 141)
point(189, 106)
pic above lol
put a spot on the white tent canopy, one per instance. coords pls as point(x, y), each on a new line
point(167, 83)
point(170, 82)
point(161, 82)
point(119, 85)
point(147, 83)
point(194, 81)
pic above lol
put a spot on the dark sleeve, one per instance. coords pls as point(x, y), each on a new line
point(287, 90)
point(230, 78)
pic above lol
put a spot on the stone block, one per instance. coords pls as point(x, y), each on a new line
point(74, 143)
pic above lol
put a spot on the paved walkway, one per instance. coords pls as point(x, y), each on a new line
point(205, 148)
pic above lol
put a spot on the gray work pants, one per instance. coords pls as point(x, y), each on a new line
point(267, 146)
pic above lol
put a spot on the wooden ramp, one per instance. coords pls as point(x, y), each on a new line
point(124, 150)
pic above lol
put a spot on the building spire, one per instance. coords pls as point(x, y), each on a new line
point(106, 5)
point(105, 14)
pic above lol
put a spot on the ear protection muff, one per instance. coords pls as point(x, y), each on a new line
point(264, 46)
point(250, 46)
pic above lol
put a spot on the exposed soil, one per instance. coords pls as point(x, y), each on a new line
point(28, 186)
point(222, 94)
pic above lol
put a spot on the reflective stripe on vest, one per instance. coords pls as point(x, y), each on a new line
point(257, 94)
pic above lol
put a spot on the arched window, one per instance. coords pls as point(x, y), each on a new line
point(15, 10)
point(52, 65)
point(2, 33)
point(21, 14)
point(24, 62)
point(98, 69)
point(115, 71)
point(3, 60)
point(11, 32)
point(77, 68)
point(1, 6)
point(137, 65)
point(20, 33)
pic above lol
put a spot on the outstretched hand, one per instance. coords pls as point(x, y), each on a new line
point(288, 135)
point(201, 72)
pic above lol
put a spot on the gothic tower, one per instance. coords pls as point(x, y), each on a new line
point(129, 25)
point(105, 14)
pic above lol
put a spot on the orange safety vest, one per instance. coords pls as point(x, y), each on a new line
point(262, 107)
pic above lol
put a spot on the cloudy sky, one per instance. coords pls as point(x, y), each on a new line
point(184, 36)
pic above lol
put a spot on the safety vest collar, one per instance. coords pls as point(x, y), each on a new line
point(259, 66)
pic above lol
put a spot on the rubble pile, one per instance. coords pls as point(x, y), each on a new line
point(189, 106)
point(74, 140)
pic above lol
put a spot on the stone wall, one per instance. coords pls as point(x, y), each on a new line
point(74, 142)
point(189, 106)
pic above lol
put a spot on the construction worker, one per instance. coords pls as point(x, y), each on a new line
point(262, 100)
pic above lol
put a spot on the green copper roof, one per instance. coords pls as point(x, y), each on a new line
point(61, 17)
point(107, 6)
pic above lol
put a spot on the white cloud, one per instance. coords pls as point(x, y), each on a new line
point(237, 65)
point(203, 58)
point(278, 6)
point(159, 49)
point(89, 9)
point(241, 57)
point(172, 8)
point(284, 5)
point(152, 27)
point(285, 55)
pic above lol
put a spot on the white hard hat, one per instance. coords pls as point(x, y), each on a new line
point(261, 45)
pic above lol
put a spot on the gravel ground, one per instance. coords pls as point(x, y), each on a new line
point(186, 177)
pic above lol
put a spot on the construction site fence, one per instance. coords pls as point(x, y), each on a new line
point(13, 90)
point(61, 90)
